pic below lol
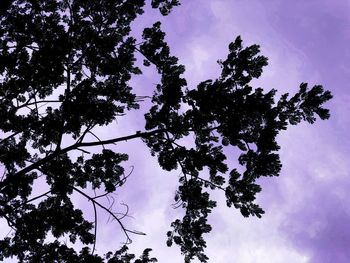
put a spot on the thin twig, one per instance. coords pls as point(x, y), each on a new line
point(125, 230)
point(95, 233)
point(93, 134)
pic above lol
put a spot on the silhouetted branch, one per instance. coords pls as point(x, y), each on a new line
point(77, 145)
point(93, 134)
point(124, 138)
point(126, 212)
point(88, 128)
point(84, 151)
point(35, 103)
point(211, 183)
point(125, 230)
point(35, 198)
point(95, 225)
point(9, 137)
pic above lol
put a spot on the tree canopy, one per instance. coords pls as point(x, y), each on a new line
point(65, 70)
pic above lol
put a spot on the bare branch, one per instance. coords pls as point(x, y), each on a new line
point(88, 128)
point(93, 134)
point(84, 151)
point(35, 198)
point(95, 233)
point(125, 230)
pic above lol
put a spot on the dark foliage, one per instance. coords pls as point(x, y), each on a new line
point(65, 67)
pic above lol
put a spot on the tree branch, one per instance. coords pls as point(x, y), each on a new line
point(138, 134)
point(125, 230)
point(9, 137)
point(58, 152)
point(37, 102)
point(211, 183)
point(35, 198)
point(95, 230)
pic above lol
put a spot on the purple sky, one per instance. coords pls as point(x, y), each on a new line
point(308, 206)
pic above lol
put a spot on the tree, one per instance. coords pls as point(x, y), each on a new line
point(66, 67)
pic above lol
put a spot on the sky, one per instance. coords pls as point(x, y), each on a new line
point(307, 208)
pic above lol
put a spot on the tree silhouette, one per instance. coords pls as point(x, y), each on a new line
point(65, 68)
